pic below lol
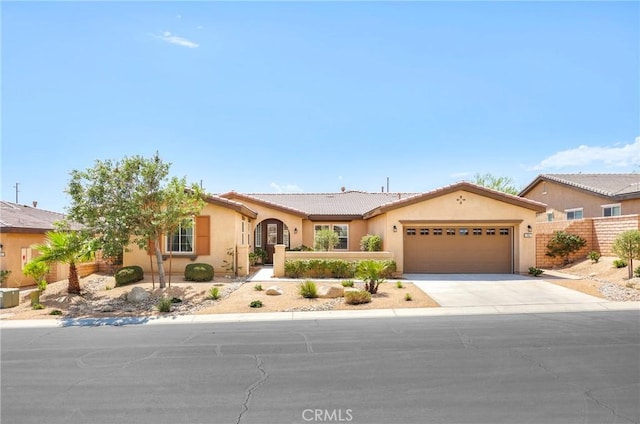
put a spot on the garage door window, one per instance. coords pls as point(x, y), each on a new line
point(424, 231)
point(504, 231)
point(437, 231)
point(451, 232)
point(477, 231)
point(491, 231)
point(464, 231)
point(411, 231)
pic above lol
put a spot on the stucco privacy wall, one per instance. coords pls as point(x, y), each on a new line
point(462, 207)
point(225, 233)
point(598, 232)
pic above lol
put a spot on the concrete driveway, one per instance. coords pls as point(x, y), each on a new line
point(495, 290)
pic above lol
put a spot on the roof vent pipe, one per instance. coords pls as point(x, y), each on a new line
point(35, 204)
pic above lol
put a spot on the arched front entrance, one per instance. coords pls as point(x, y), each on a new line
point(268, 233)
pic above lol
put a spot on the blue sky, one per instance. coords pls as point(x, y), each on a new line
point(313, 96)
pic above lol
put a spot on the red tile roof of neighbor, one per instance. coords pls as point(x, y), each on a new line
point(22, 218)
point(616, 186)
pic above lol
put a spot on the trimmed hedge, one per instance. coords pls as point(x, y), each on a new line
point(198, 272)
point(129, 275)
point(329, 268)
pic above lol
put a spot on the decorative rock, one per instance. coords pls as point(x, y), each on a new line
point(351, 290)
point(330, 292)
point(107, 308)
point(274, 291)
point(137, 294)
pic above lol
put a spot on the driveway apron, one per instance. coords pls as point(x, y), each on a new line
point(452, 290)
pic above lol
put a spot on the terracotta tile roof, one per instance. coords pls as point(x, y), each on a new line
point(22, 218)
point(355, 203)
point(611, 185)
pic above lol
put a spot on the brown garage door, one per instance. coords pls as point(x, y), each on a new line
point(458, 249)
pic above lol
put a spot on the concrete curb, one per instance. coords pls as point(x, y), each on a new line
point(323, 315)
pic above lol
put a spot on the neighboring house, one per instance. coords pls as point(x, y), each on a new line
point(597, 207)
point(577, 196)
point(460, 228)
point(21, 227)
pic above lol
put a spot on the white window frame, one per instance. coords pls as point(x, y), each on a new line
point(318, 227)
point(259, 235)
point(549, 216)
point(189, 233)
point(574, 210)
point(612, 207)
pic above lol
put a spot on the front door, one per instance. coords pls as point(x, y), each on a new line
point(271, 235)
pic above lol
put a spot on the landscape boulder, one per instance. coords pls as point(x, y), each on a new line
point(137, 294)
point(274, 291)
point(330, 292)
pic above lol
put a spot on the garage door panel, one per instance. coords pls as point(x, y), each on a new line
point(458, 250)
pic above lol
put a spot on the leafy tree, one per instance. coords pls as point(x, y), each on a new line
point(504, 184)
point(132, 201)
point(326, 239)
point(68, 247)
point(627, 246)
point(563, 244)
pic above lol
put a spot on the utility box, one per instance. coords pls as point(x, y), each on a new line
point(9, 298)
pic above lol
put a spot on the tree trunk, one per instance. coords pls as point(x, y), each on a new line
point(74, 282)
point(630, 268)
point(161, 279)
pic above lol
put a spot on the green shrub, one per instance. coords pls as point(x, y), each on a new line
point(594, 256)
point(407, 297)
point(339, 268)
point(308, 289)
point(357, 298)
point(371, 243)
point(619, 263)
point(319, 267)
point(214, 293)
point(55, 312)
point(256, 304)
point(636, 272)
point(563, 244)
point(129, 275)
point(347, 283)
point(176, 300)
point(257, 287)
point(198, 272)
point(164, 304)
point(399, 285)
point(296, 268)
point(535, 271)
point(37, 306)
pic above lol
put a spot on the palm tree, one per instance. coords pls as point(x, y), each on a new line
point(67, 247)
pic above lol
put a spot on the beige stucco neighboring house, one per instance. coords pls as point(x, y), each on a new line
point(577, 196)
point(21, 227)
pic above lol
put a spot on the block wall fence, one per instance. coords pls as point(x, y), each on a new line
point(598, 232)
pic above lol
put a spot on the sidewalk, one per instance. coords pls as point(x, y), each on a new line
point(321, 315)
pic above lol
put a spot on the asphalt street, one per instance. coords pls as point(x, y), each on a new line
point(521, 368)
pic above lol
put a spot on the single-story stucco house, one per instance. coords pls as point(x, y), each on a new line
point(461, 228)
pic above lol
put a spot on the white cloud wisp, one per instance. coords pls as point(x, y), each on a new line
point(178, 41)
point(613, 156)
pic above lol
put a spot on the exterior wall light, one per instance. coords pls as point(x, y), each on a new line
point(395, 229)
point(529, 228)
point(295, 230)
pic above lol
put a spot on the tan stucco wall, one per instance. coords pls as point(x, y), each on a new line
point(12, 261)
point(559, 198)
point(474, 209)
point(226, 232)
